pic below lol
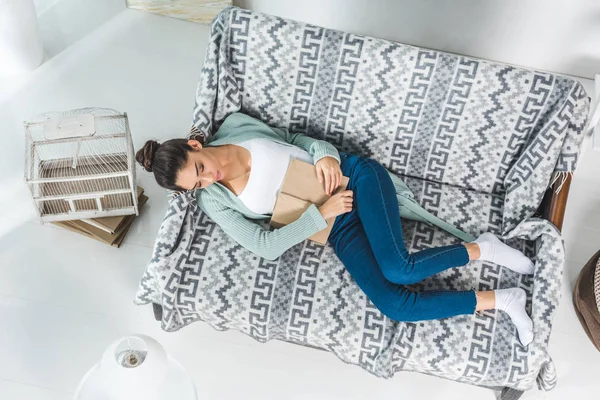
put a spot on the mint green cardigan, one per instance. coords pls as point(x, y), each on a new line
point(227, 211)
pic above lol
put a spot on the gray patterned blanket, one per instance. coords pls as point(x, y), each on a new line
point(478, 143)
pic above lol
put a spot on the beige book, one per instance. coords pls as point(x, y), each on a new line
point(300, 189)
point(92, 232)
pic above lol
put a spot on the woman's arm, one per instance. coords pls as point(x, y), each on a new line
point(239, 122)
point(249, 234)
point(315, 147)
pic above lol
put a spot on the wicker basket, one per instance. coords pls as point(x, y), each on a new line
point(597, 283)
point(586, 299)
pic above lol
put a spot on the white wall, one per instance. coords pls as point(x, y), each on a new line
point(63, 22)
point(43, 5)
point(554, 35)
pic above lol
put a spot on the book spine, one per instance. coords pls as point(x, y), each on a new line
point(97, 225)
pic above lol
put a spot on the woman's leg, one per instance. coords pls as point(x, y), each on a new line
point(350, 242)
point(377, 206)
point(511, 301)
point(352, 246)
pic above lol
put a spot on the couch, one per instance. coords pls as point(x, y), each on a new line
point(483, 145)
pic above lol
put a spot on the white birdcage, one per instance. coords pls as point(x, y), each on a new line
point(80, 164)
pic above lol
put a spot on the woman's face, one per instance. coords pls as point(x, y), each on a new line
point(201, 170)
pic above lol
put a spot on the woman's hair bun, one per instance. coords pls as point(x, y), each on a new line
point(145, 155)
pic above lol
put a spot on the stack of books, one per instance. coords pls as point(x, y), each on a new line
point(109, 230)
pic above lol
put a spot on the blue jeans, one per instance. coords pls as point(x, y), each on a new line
point(368, 240)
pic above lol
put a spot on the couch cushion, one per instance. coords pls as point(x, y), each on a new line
point(422, 113)
point(307, 297)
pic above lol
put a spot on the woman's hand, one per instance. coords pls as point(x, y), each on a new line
point(339, 203)
point(328, 169)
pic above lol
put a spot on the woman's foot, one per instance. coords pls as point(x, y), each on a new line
point(493, 250)
point(512, 301)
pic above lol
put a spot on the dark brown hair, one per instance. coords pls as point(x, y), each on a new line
point(165, 159)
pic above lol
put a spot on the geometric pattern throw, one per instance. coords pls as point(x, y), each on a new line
point(478, 143)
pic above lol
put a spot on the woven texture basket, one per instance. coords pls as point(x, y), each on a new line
point(597, 284)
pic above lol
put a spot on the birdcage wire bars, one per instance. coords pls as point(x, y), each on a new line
point(80, 164)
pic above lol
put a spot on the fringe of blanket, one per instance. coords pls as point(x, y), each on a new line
point(560, 176)
point(593, 120)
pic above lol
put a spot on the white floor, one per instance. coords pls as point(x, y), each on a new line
point(64, 298)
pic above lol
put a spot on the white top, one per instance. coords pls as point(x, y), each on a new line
point(270, 161)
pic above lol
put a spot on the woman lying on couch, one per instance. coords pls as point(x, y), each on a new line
point(239, 172)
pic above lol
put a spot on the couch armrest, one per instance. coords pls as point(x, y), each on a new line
point(554, 204)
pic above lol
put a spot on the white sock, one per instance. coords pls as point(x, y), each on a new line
point(493, 250)
point(512, 301)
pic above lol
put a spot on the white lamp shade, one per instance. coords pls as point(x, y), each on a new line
point(154, 375)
